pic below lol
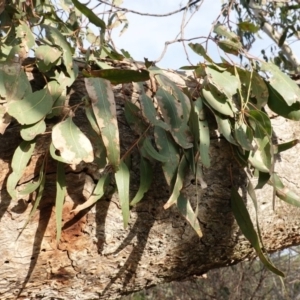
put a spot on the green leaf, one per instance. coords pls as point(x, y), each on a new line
point(278, 105)
point(181, 173)
point(97, 194)
point(282, 83)
point(225, 128)
point(230, 47)
point(204, 138)
point(29, 132)
point(37, 201)
point(60, 198)
point(283, 37)
point(24, 33)
point(134, 118)
point(285, 146)
point(177, 93)
point(72, 144)
point(32, 108)
point(224, 82)
point(47, 57)
point(32, 186)
point(92, 17)
point(122, 177)
point(117, 76)
point(146, 176)
point(248, 27)
point(172, 112)
point(199, 49)
point(263, 178)
point(244, 221)
point(19, 162)
point(242, 135)
point(185, 208)
point(217, 102)
point(168, 148)
point(283, 192)
point(104, 107)
point(148, 147)
point(149, 111)
point(57, 39)
point(222, 30)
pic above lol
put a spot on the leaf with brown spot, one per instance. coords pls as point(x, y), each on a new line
point(104, 107)
point(73, 145)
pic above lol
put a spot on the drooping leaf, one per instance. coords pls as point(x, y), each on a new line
point(222, 30)
point(46, 57)
point(97, 194)
point(199, 49)
point(19, 162)
point(224, 82)
point(24, 33)
point(104, 108)
point(168, 148)
point(92, 17)
point(172, 112)
point(242, 135)
point(285, 146)
point(263, 178)
point(181, 98)
point(248, 27)
point(244, 221)
point(117, 76)
point(30, 187)
point(37, 201)
point(282, 83)
point(203, 133)
point(72, 144)
point(134, 118)
point(122, 177)
point(60, 197)
point(57, 39)
point(182, 168)
point(29, 132)
point(283, 192)
point(146, 176)
point(217, 102)
point(230, 46)
point(186, 210)
point(151, 151)
point(277, 104)
point(149, 111)
point(225, 128)
point(32, 108)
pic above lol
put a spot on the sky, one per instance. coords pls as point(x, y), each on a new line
point(146, 36)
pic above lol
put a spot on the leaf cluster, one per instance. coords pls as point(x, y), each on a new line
point(236, 96)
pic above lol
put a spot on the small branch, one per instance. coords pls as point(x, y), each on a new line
point(150, 15)
point(275, 36)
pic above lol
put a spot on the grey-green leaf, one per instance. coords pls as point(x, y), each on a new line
point(104, 107)
point(73, 145)
point(122, 177)
point(146, 175)
point(60, 197)
point(29, 132)
point(32, 108)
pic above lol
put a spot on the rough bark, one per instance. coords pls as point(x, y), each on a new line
point(97, 259)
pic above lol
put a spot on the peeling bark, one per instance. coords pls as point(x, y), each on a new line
point(97, 259)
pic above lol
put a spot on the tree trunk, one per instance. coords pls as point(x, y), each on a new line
point(96, 258)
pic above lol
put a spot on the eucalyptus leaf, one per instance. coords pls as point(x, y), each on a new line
point(72, 144)
point(29, 132)
point(122, 177)
point(104, 108)
point(19, 162)
point(244, 221)
point(146, 176)
point(60, 197)
point(32, 108)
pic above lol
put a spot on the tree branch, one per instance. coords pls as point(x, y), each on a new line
point(188, 5)
point(275, 36)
